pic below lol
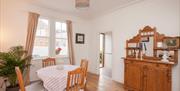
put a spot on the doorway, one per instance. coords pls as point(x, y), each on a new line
point(102, 47)
point(105, 56)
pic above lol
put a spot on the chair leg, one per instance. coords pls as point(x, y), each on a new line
point(85, 86)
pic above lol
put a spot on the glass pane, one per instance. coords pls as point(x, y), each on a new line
point(62, 43)
point(61, 27)
point(61, 39)
point(61, 35)
point(58, 27)
point(43, 28)
point(41, 42)
point(64, 27)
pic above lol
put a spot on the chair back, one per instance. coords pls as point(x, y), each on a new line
point(20, 79)
point(48, 62)
point(75, 80)
point(84, 66)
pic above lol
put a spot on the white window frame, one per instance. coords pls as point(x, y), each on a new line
point(52, 39)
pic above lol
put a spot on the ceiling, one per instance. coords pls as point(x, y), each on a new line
point(97, 7)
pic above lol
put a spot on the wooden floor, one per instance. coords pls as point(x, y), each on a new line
point(102, 83)
point(106, 72)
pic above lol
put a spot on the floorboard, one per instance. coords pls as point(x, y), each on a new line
point(102, 83)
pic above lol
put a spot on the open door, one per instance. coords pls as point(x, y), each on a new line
point(105, 55)
point(101, 55)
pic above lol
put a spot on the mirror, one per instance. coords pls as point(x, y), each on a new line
point(147, 45)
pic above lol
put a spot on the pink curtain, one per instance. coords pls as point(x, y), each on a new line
point(31, 32)
point(70, 42)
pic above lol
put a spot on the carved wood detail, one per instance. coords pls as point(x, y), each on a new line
point(147, 31)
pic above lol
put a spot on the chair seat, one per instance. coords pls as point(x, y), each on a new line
point(35, 87)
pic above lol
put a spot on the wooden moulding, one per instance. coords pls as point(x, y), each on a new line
point(147, 31)
point(150, 61)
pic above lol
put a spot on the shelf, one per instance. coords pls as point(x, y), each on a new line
point(133, 48)
point(167, 49)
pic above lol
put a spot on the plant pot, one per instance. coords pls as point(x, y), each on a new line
point(12, 88)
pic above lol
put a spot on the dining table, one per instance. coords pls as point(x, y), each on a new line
point(55, 77)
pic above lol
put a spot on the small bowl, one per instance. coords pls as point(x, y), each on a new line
point(60, 67)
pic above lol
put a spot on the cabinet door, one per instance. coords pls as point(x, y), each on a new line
point(163, 80)
point(149, 79)
point(156, 79)
point(133, 76)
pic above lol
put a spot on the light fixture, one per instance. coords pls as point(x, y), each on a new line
point(81, 3)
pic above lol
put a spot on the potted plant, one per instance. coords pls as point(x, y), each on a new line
point(16, 56)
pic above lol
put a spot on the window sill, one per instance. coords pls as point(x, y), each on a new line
point(57, 57)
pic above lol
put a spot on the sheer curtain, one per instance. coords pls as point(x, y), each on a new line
point(70, 42)
point(31, 32)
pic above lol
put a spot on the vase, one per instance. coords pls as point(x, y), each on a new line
point(57, 52)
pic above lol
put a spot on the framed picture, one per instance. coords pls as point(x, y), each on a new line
point(80, 38)
point(172, 42)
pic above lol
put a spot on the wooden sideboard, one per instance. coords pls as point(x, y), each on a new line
point(147, 75)
point(149, 60)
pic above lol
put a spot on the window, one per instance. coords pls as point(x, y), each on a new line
point(41, 43)
point(51, 36)
point(61, 38)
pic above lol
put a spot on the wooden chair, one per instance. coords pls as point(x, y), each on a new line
point(84, 66)
point(32, 87)
point(75, 80)
point(48, 62)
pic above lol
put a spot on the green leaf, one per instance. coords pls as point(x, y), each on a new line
point(16, 56)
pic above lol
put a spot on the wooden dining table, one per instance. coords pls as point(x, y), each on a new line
point(55, 77)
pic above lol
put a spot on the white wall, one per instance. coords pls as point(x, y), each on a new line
point(1, 10)
point(125, 23)
point(13, 27)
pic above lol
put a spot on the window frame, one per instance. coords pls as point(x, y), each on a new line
point(52, 39)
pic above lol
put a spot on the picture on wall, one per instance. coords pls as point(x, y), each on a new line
point(172, 42)
point(80, 38)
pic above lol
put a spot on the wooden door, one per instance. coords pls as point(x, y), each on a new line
point(133, 76)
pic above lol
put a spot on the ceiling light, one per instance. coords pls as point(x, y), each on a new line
point(81, 3)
